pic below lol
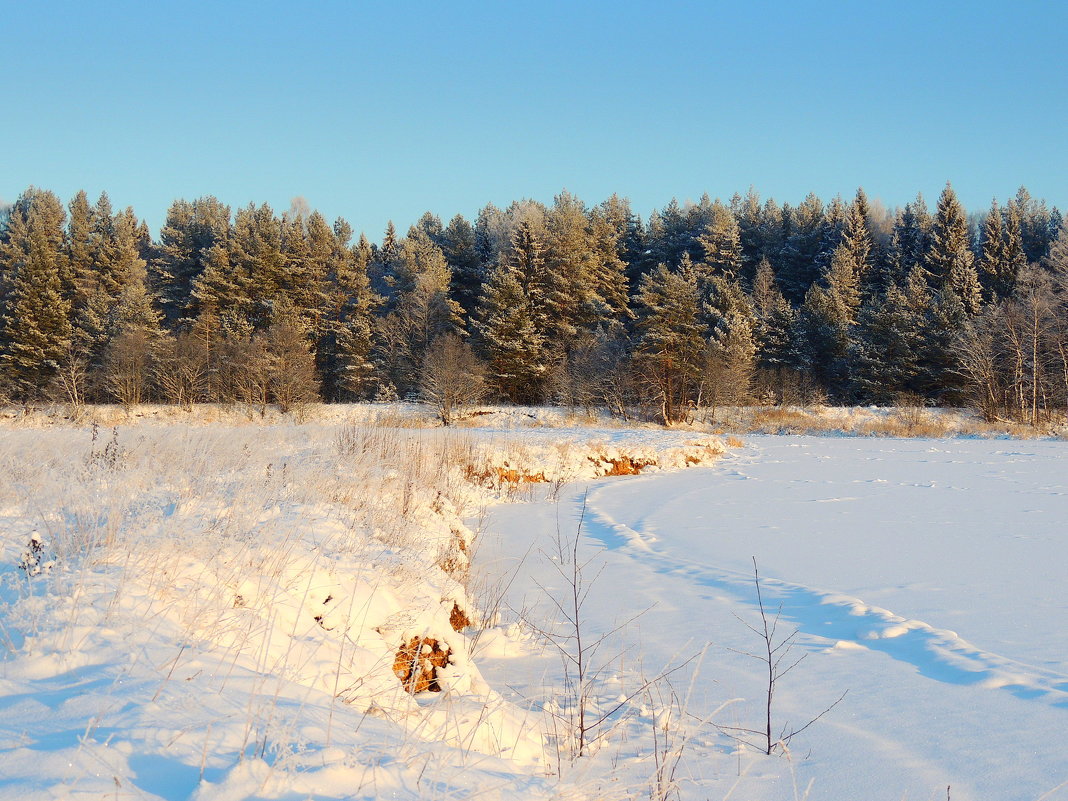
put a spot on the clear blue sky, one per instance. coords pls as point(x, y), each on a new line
point(383, 110)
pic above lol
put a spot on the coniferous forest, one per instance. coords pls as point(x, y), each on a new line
point(701, 304)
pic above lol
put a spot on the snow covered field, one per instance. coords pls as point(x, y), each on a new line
point(926, 578)
point(215, 613)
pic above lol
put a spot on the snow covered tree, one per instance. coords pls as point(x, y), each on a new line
point(950, 259)
point(189, 233)
point(720, 242)
point(514, 347)
point(291, 377)
point(1014, 257)
point(891, 342)
point(468, 275)
point(801, 248)
point(420, 310)
point(452, 377)
point(910, 240)
point(857, 238)
point(731, 351)
point(780, 353)
point(346, 339)
point(1035, 232)
point(992, 267)
point(35, 331)
point(830, 313)
point(608, 272)
point(671, 340)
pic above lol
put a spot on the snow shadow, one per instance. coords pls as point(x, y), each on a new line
point(937, 654)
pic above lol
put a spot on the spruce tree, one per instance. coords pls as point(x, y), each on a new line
point(720, 243)
point(35, 331)
point(889, 347)
point(468, 275)
point(134, 307)
point(1014, 256)
point(780, 349)
point(1034, 226)
point(608, 272)
point(188, 235)
point(514, 348)
point(801, 248)
point(830, 314)
point(671, 340)
point(730, 322)
point(950, 260)
point(346, 345)
point(909, 243)
point(992, 266)
point(857, 239)
point(79, 248)
point(749, 217)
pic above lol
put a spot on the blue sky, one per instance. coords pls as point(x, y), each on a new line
point(375, 111)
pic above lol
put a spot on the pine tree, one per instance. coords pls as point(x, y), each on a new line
point(514, 348)
point(801, 248)
point(720, 243)
point(780, 349)
point(992, 267)
point(830, 314)
point(188, 235)
point(671, 339)
point(421, 310)
point(430, 224)
point(910, 239)
point(730, 321)
point(950, 259)
point(1014, 257)
point(566, 291)
point(35, 331)
point(857, 239)
point(461, 253)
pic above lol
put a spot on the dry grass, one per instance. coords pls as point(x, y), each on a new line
point(902, 421)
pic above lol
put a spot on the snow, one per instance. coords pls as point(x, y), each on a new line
point(924, 577)
point(212, 610)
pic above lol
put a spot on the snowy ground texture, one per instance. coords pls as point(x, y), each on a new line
point(214, 612)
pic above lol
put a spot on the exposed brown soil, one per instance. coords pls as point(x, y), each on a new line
point(622, 466)
point(417, 663)
point(458, 618)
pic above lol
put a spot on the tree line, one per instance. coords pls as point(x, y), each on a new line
point(699, 304)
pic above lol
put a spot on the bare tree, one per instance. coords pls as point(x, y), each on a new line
point(291, 365)
point(243, 371)
point(127, 363)
point(181, 369)
point(73, 379)
point(452, 378)
point(594, 374)
point(775, 651)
